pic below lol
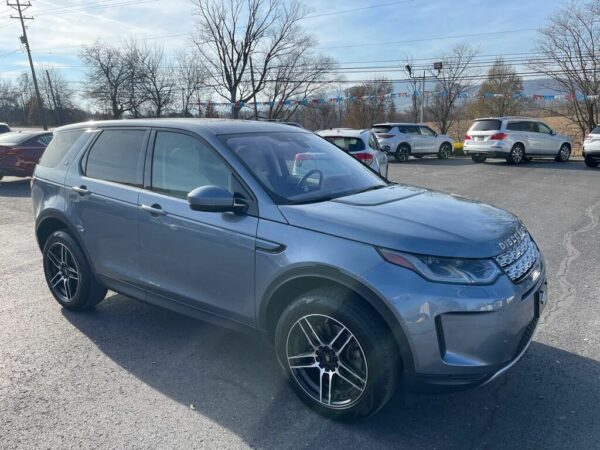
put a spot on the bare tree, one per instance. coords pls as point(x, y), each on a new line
point(58, 94)
point(156, 79)
point(108, 77)
point(297, 76)
point(191, 79)
point(452, 82)
point(571, 61)
point(369, 103)
point(229, 32)
point(498, 94)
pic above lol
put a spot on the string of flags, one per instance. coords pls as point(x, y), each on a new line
point(353, 98)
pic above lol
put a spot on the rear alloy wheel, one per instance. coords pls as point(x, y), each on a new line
point(445, 151)
point(337, 355)
point(402, 153)
point(516, 155)
point(68, 273)
point(478, 158)
point(590, 162)
point(564, 153)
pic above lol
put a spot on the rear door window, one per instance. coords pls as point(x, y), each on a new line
point(117, 156)
point(60, 144)
point(486, 125)
point(410, 129)
point(515, 126)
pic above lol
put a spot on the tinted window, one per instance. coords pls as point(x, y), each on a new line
point(118, 156)
point(381, 129)
point(596, 130)
point(409, 129)
point(486, 125)
point(4, 129)
point(515, 126)
point(373, 142)
point(427, 131)
point(543, 128)
point(44, 140)
point(301, 167)
point(348, 144)
point(59, 146)
point(181, 163)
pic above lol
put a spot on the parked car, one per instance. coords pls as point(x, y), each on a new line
point(358, 282)
point(362, 144)
point(4, 128)
point(591, 148)
point(515, 139)
point(21, 151)
point(402, 140)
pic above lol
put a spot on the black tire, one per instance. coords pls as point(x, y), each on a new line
point(445, 151)
point(75, 291)
point(564, 153)
point(402, 153)
point(590, 162)
point(329, 312)
point(516, 155)
point(478, 158)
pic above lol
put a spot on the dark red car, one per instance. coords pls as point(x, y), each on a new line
point(21, 151)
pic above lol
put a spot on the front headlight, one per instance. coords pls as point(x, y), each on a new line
point(445, 270)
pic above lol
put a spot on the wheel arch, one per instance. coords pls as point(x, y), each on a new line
point(290, 285)
point(446, 143)
point(521, 143)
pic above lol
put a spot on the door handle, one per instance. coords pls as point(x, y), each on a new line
point(81, 190)
point(155, 210)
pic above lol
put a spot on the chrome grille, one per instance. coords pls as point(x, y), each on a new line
point(517, 261)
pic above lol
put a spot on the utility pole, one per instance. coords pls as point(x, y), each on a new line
point(183, 105)
point(422, 97)
point(20, 9)
point(58, 115)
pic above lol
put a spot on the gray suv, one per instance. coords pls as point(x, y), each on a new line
point(358, 283)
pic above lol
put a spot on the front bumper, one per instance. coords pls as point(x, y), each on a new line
point(462, 336)
point(594, 154)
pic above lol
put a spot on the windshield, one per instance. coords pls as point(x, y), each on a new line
point(14, 138)
point(301, 167)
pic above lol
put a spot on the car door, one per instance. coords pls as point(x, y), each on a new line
point(548, 142)
point(103, 204)
point(413, 137)
point(429, 140)
point(535, 140)
point(201, 259)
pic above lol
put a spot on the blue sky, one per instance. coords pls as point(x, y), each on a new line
point(386, 30)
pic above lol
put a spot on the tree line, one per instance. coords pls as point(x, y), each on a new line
point(244, 51)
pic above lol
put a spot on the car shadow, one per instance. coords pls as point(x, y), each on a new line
point(548, 400)
point(15, 187)
point(433, 161)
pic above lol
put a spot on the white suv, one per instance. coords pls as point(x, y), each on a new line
point(362, 144)
point(515, 139)
point(412, 139)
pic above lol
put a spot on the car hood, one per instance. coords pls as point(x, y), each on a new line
point(411, 219)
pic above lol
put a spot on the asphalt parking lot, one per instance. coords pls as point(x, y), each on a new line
point(129, 375)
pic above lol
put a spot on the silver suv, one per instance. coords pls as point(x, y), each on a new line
point(515, 139)
point(356, 281)
point(403, 140)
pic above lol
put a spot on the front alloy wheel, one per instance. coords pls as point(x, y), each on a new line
point(338, 354)
point(329, 364)
point(445, 151)
point(564, 153)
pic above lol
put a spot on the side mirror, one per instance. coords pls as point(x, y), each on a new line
point(215, 199)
